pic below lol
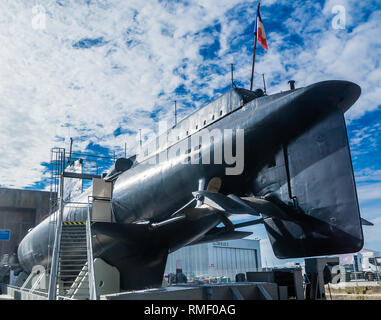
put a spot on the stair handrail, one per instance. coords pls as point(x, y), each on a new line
point(78, 281)
point(52, 293)
point(90, 258)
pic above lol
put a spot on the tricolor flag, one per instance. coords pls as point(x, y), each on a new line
point(259, 30)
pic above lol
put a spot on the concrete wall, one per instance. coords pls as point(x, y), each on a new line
point(20, 210)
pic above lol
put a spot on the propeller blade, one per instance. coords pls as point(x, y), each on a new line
point(223, 203)
point(196, 213)
point(248, 223)
point(214, 185)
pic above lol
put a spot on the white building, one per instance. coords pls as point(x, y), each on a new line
point(216, 259)
point(358, 261)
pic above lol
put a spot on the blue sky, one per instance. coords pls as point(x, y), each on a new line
point(98, 71)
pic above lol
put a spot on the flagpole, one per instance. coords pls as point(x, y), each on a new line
point(255, 49)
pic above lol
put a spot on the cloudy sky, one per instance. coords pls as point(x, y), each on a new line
point(99, 71)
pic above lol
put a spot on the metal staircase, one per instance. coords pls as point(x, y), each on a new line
point(72, 273)
point(72, 256)
point(72, 279)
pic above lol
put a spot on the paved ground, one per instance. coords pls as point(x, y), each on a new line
point(354, 297)
point(354, 290)
point(342, 285)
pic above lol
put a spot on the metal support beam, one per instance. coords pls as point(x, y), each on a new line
point(236, 294)
point(263, 293)
point(80, 175)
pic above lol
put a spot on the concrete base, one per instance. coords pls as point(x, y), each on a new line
point(231, 291)
point(107, 277)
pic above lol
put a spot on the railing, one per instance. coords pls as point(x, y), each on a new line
point(57, 238)
point(58, 175)
point(90, 258)
point(11, 290)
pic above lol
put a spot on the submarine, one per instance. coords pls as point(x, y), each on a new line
point(282, 159)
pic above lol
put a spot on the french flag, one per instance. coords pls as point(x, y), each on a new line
point(260, 30)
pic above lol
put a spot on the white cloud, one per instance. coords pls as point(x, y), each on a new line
point(368, 175)
point(46, 84)
point(372, 233)
point(369, 191)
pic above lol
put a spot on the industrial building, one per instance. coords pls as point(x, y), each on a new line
point(20, 210)
point(216, 259)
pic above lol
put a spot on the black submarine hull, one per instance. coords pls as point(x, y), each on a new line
point(296, 156)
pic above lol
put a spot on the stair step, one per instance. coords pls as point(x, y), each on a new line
point(72, 252)
point(72, 260)
point(74, 246)
point(83, 243)
point(73, 237)
point(70, 273)
point(73, 282)
point(68, 252)
point(63, 270)
point(79, 246)
point(73, 227)
point(80, 233)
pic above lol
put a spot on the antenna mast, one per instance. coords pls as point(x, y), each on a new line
point(175, 113)
point(71, 147)
point(232, 75)
point(255, 49)
point(264, 83)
